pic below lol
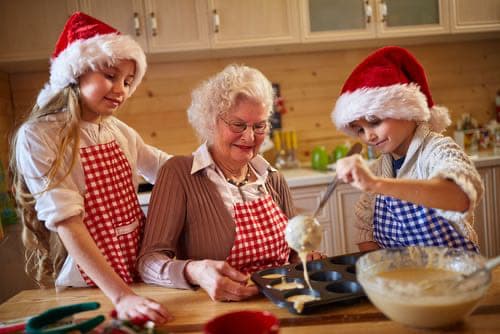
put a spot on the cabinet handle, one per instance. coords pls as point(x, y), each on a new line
point(154, 24)
point(383, 11)
point(368, 12)
point(137, 24)
point(216, 21)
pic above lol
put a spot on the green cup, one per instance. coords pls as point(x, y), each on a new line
point(340, 151)
point(319, 158)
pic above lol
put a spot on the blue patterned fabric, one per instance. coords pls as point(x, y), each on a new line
point(399, 223)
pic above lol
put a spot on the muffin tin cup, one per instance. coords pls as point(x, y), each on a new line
point(333, 281)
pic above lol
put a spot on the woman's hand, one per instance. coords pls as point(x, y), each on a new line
point(133, 306)
point(221, 281)
point(354, 170)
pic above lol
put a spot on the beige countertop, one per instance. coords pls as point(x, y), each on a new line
point(192, 309)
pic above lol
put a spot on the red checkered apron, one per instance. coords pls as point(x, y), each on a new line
point(112, 212)
point(260, 236)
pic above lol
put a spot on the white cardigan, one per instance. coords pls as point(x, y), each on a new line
point(430, 155)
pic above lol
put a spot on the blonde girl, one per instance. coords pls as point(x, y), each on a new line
point(76, 169)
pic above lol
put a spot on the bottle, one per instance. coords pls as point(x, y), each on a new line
point(497, 140)
point(7, 208)
point(497, 105)
point(279, 161)
point(293, 162)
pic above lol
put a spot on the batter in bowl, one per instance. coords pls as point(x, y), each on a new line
point(417, 286)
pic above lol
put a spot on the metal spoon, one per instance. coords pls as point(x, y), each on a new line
point(488, 266)
point(456, 281)
point(304, 233)
point(356, 148)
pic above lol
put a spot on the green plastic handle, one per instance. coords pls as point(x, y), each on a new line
point(37, 324)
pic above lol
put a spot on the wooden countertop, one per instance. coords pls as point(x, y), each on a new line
point(192, 309)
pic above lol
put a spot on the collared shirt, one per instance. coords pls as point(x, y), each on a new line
point(202, 160)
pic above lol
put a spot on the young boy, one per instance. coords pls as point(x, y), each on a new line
point(423, 189)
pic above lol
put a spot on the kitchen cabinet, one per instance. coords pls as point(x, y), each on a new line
point(337, 20)
point(487, 222)
point(469, 16)
point(344, 201)
point(14, 278)
point(158, 25)
point(180, 25)
point(306, 200)
point(30, 28)
point(336, 218)
point(254, 22)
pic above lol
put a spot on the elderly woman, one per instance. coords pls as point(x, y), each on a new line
point(218, 215)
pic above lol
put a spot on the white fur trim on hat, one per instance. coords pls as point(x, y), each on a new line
point(91, 54)
point(399, 101)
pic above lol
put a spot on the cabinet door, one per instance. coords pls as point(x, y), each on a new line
point(345, 233)
point(306, 200)
point(30, 29)
point(175, 25)
point(485, 217)
point(335, 20)
point(125, 15)
point(403, 18)
point(469, 16)
point(253, 22)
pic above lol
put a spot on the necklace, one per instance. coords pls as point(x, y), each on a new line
point(241, 183)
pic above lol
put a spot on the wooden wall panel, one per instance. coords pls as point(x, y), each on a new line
point(6, 117)
point(464, 76)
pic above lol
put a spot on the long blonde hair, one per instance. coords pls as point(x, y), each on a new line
point(44, 251)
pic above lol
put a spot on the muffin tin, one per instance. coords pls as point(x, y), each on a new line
point(333, 281)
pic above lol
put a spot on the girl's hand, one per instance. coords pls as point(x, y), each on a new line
point(132, 306)
point(221, 281)
point(354, 170)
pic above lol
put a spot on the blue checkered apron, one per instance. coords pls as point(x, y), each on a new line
point(399, 223)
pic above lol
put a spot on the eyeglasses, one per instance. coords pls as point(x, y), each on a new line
point(240, 127)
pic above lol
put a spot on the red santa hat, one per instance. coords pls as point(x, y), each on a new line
point(389, 83)
point(88, 44)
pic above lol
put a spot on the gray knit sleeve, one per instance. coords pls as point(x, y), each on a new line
point(447, 160)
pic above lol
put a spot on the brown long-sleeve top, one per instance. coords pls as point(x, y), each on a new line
point(187, 220)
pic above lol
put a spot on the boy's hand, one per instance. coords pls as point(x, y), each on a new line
point(354, 170)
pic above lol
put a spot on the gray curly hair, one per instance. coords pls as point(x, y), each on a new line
point(217, 95)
